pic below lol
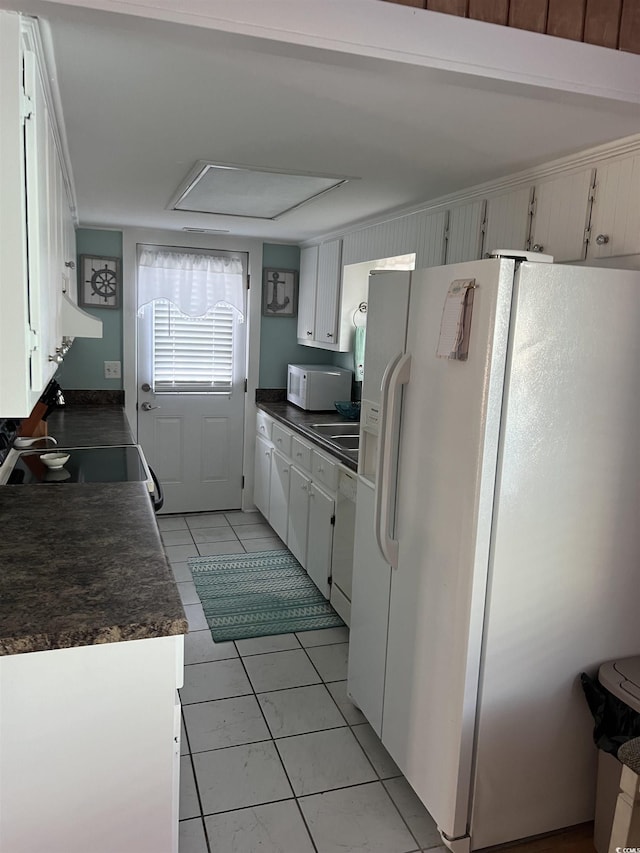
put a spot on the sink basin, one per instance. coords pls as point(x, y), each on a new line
point(346, 442)
point(351, 429)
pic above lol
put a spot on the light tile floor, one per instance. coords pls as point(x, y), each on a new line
point(275, 758)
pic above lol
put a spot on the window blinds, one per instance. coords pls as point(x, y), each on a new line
point(192, 354)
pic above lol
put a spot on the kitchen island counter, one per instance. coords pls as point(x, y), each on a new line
point(82, 565)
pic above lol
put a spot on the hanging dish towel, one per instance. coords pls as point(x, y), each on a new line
point(358, 355)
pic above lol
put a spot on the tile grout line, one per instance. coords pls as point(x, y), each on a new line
point(275, 745)
point(380, 780)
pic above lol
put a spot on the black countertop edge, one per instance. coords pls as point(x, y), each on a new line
point(300, 420)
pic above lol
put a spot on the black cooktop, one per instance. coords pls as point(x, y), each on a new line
point(85, 465)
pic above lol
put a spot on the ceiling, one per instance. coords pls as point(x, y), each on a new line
point(143, 101)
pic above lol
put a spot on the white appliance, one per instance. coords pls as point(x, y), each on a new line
point(503, 492)
point(316, 387)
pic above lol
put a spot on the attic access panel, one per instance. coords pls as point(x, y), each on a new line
point(247, 191)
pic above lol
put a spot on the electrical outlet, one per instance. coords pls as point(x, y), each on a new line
point(112, 370)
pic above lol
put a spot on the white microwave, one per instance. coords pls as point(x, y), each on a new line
point(316, 387)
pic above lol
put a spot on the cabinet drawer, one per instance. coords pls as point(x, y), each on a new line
point(281, 437)
point(324, 469)
point(264, 425)
point(301, 453)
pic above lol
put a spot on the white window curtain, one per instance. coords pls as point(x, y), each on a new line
point(194, 282)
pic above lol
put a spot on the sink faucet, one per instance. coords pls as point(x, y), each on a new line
point(21, 443)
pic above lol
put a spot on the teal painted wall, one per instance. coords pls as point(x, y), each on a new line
point(279, 335)
point(83, 366)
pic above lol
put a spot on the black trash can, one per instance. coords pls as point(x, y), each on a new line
point(614, 700)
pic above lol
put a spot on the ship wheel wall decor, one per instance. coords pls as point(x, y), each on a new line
point(100, 282)
point(280, 293)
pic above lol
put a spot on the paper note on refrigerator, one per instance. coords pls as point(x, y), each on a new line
point(456, 320)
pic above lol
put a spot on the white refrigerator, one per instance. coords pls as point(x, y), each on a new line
point(497, 549)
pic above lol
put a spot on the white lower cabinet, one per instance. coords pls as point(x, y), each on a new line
point(320, 539)
point(262, 475)
point(298, 490)
point(279, 495)
point(90, 743)
point(298, 525)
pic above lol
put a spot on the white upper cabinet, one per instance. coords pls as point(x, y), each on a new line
point(507, 220)
point(561, 215)
point(319, 308)
point(430, 245)
point(38, 245)
point(464, 239)
point(328, 291)
point(615, 217)
point(307, 292)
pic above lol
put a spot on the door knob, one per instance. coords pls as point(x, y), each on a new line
point(147, 407)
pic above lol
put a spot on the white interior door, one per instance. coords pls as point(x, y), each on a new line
point(192, 440)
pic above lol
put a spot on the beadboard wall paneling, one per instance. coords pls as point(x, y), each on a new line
point(630, 26)
point(450, 7)
point(566, 19)
point(463, 243)
point(430, 239)
point(419, 4)
point(491, 11)
point(528, 15)
point(507, 225)
point(602, 22)
point(386, 240)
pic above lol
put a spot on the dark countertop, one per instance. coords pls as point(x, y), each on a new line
point(83, 564)
point(87, 426)
point(299, 420)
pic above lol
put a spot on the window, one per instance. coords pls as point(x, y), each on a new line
point(193, 354)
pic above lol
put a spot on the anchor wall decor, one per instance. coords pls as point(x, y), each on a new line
point(280, 293)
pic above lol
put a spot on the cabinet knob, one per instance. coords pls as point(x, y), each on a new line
point(309, 333)
point(285, 470)
point(57, 358)
point(304, 488)
point(602, 239)
point(70, 264)
point(267, 453)
point(329, 334)
point(537, 247)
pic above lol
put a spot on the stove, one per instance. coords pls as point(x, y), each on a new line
point(112, 464)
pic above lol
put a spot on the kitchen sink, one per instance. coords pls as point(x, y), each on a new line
point(349, 428)
point(346, 442)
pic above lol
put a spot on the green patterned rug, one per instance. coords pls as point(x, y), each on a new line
point(255, 595)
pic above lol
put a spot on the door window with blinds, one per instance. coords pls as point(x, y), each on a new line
point(191, 303)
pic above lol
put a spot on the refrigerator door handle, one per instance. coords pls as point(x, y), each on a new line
point(395, 376)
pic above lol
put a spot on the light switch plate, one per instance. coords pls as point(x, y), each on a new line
point(112, 370)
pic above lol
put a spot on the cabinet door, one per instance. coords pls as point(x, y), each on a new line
point(561, 215)
point(69, 272)
point(298, 515)
point(507, 220)
point(279, 495)
point(307, 292)
point(369, 614)
point(320, 541)
point(43, 226)
point(262, 476)
point(327, 293)
point(431, 245)
point(464, 237)
point(615, 218)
